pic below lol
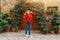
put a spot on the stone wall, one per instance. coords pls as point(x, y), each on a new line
point(6, 5)
point(52, 3)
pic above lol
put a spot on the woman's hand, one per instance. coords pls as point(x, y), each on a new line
point(24, 13)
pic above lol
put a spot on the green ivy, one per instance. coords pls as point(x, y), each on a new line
point(32, 6)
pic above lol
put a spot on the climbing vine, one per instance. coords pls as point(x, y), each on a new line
point(38, 8)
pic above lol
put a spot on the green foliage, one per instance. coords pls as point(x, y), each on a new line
point(59, 26)
point(5, 20)
point(8, 19)
point(55, 19)
point(2, 22)
point(25, 6)
point(38, 8)
point(41, 20)
point(32, 6)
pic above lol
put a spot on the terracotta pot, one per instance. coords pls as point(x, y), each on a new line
point(7, 29)
point(44, 32)
point(58, 30)
point(13, 29)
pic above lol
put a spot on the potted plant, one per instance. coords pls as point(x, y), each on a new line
point(8, 24)
point(2, 22)
point(58, 29)
point(15, 25)
point(13, 28)
point(58, 21)
point(53, 11)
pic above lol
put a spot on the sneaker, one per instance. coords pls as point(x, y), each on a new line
point(26, 35)
point(30, 36)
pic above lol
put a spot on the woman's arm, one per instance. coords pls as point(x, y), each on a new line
point(24, 15)
point(33, 13)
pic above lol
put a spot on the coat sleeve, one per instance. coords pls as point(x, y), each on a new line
point(24, 15)
point(33, 13)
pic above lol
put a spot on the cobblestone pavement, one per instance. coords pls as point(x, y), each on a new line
point(21, 36)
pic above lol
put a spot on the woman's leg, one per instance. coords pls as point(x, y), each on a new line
point(30, 26)
point(27, 29)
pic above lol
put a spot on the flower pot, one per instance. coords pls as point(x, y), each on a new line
point(58, 30)
point(7, 29)
point(44, 32)
point(13, 29)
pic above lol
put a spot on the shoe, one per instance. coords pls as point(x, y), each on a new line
point(26, 35)
point(30, 36)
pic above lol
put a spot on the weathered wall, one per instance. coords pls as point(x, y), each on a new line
point(6, 5)
point(52, 3)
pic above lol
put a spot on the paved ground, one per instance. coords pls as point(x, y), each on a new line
point(21, 36)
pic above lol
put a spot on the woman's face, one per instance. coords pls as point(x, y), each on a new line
point(28, 11)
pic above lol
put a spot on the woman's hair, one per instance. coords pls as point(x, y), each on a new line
point(28, 11)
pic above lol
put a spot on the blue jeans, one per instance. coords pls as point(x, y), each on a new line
point(28, 29)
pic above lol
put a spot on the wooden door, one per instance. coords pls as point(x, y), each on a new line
point(23, 23)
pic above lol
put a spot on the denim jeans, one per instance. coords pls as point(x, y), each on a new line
point(28, 29)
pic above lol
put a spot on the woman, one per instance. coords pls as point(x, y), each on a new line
point(28, 15)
